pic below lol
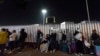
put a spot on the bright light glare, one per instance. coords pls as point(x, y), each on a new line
point(44, 11)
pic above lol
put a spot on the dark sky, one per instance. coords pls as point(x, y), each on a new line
point(19, 12)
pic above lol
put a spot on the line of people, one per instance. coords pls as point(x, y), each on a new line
point(48, 43)
point(10, 41)
point(78, 44)
point(82, 44)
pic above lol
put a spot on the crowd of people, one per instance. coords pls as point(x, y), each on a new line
point(10, 41)
point(78, 44)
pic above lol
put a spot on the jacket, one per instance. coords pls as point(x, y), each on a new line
point(13, 37)
point(23, 36)
point(3, 37)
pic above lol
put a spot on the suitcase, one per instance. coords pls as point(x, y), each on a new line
point(73, 47)
point(64, 47)
point(97, 50)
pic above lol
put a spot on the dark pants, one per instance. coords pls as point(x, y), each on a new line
point(92, 49)
point(52, 45)
point(2, 47)
point(11, 45)
point(21, 45)
point(16, 44)
point(79, 47)
point(38, 43)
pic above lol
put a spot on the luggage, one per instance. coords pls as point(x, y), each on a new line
point(64, 47)
point(97, 50)
point(73, 47)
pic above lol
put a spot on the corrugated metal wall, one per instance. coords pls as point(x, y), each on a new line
point(85, 28)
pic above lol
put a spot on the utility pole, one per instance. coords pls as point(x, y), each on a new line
point(87, 7)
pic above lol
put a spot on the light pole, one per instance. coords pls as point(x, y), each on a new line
point(87, 7)
point(44, 11)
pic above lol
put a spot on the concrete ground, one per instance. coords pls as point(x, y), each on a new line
point(32, 52)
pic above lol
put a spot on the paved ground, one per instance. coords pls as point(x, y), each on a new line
point(31, 52)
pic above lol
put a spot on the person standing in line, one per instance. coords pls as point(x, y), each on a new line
point(9, 33)
point(53, 44)
point(94, 38)
point(12, 40)
point(63, 37)
point(79, 43)
point(38, 40)
point(3, 41)
point(23, 36)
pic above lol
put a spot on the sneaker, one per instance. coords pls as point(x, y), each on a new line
point(50, 51)
point(41, 51)
point(54, 51)
point(5, 50)
point(46, 51)
point(91, 53)
point(0, 51)
point(81, 54)
point(20, 52)
point(77, 54)
point(9, 52)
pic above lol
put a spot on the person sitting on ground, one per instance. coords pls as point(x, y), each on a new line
point(44, 45)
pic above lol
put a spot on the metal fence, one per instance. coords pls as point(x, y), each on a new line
point(85, 28)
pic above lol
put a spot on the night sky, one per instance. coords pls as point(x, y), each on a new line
point(19, 12)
